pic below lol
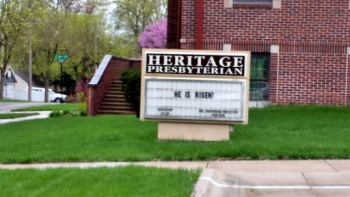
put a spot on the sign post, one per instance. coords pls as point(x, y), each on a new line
point(195, 95)
point(61, 59)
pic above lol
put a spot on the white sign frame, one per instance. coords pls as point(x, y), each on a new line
point(205, 78)
point(193, 103)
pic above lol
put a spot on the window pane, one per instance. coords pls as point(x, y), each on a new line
point(259, 76)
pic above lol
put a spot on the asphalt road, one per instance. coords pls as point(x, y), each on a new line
point(8, 106)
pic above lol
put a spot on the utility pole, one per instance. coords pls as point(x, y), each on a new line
point(61, 62)
point(30, 59)
point(30, 68)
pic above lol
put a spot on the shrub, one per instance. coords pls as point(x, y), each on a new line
point(83, 113)
point(63, 113)
point(131, 79)
point(81, 89)
point(55, 114)
point(70, 99)
point(83, 109)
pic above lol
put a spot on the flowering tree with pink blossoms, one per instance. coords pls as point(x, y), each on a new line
point(154, 35)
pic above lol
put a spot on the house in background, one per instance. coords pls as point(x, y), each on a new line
point(14, 82)
point(300, 49)
point(23, 74)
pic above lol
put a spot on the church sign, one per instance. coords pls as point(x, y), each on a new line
point(196, 64)
point(195, 86)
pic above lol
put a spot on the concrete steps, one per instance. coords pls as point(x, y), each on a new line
point(114, 101)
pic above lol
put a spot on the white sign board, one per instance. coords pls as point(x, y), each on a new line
point(194, 99)
point(195, 86)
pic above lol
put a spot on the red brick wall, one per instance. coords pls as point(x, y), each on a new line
point(112, 72)
point(306, 78)
point(313, 37)
point(299, 20)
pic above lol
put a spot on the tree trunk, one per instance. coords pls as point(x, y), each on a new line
point(76, 82)
point(46, 81)
point(2, 84)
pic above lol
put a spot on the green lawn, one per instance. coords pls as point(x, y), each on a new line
point(292, 132)
point(9, 100)
point(121, 181)
point(52, 107)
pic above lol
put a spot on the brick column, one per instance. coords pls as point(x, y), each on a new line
point(347, 95)
point(274, 73)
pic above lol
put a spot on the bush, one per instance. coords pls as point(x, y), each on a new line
point(72, 112)
point(83, 113)
point(131, 79)
point(63, 113)
point(83, 109)
point(55, 114)
point(81, 90)
point(70, 99)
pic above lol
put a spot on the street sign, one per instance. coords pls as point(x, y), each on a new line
point(61, 57)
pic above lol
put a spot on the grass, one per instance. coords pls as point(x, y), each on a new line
point(121, 181)
point(16, 115)
point(52, 107)
point(10, 100)
point(292, 132)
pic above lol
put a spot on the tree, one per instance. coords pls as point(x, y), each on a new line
point(133, 16)
point(75, 6)
point(154, 35)
point(83, 36)
point(48, 36)
point(63, 28)
point(73, 27)
point(13, 22)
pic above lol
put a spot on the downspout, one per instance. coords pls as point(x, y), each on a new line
point(178, 28)
point(199, 32)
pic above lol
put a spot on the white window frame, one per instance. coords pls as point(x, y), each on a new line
point(264, 2)
point(276, 4)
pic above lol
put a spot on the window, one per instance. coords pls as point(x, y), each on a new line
point(9, 74)
point(259, 76)
point(252, 1)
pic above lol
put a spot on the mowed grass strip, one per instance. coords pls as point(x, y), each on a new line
point(121, 181)
point(288, 132)
point(52, 107)
point(16, 115)
point(11, 101)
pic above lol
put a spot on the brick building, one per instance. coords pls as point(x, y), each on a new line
point(300, 48)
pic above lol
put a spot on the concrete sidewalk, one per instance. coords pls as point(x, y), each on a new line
point(314, 178)
point(41, 115)
point(7, 107)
